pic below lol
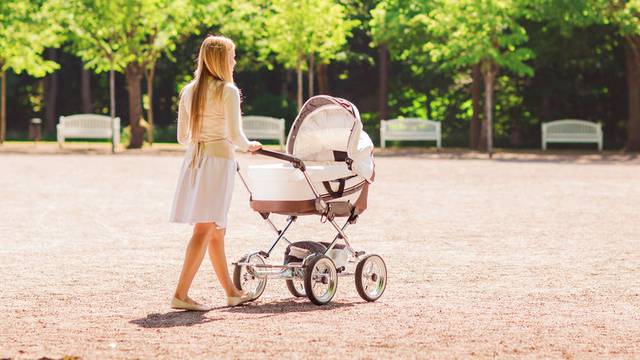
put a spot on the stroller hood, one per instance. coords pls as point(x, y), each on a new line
point(330, 129)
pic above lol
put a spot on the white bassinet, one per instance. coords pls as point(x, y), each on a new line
point(338, 156)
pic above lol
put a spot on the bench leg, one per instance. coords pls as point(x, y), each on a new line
point(544, 145)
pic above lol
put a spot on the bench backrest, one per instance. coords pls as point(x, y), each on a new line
point(88, 122)
point(263, 127)
point(571, 127)
point(410, 127)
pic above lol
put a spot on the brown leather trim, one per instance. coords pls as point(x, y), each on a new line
point(299, 207)
point(361, 203)
point(347, 191)
point(307, 207)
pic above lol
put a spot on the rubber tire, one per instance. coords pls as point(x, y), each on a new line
point(358, 278)
point(307, 280)
point(292, 289)
point(237, 281)
point(312, 246)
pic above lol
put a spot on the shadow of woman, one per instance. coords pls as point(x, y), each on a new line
point(286, 306)
point(173, 319)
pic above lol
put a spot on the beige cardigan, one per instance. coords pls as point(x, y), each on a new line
point(220, 120)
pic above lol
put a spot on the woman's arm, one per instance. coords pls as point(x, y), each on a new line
point(231, 98)
point(183, 121)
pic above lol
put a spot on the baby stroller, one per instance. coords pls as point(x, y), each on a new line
point(327, 172)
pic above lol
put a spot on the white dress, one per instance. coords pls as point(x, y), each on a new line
point(206, 180)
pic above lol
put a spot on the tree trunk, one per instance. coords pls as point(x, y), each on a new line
point(299, 71)
point(3, 106)
point(310, 79)
point(85, 84)
point(112, 100)
point(133, 74)
point(323, 79)
point(476, 94)
point(632, 57)
point(489, 72)
point(50, 96)
point(383, 82)
point(284, 90)
point(150, 75)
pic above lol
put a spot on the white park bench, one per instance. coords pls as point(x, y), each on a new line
point(264, 128)
point(88, 126)
point(410, 129)
point(571, 131)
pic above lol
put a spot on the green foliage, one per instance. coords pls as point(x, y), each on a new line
point(114, 33)
point(245, 22)
point(272, 105)
point(297, 29)
point(27, 28)
point(470, 32)
point(393, 24)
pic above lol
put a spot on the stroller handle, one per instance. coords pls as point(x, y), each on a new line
point(297, 163)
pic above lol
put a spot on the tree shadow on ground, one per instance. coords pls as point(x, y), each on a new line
point(173, 319)
point(286, 306)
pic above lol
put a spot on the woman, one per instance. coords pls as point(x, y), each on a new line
point(209, 123)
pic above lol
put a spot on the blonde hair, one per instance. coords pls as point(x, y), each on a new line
point(214, 64)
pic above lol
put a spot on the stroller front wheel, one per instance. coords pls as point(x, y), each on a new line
point(245, 278)
point(320, 280)
point(296, 288)
point(371, 277)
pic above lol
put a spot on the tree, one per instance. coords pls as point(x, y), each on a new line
point(398, 28)
point(129, 36)
point(164, 23)
point(304, 31)
point(484, 33)
point(27, 28)
point(626, 16)
point(99, 35)
point(389, 20)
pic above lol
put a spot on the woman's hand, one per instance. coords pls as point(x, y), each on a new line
point(254, 146)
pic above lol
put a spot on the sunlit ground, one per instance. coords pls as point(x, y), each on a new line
point(526, 255)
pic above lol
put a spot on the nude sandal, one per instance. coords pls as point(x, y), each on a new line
point(238, 300)
point(183, 305)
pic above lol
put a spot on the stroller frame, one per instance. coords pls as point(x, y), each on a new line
point(257, 268)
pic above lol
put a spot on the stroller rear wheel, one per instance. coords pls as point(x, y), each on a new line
point(371, 277)
point(245, 279)
point(320, 280)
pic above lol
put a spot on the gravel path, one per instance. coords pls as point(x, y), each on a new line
point(511, 258)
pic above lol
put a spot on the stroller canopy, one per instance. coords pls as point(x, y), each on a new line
point(330, 129)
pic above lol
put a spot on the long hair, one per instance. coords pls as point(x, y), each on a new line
point(214, 64)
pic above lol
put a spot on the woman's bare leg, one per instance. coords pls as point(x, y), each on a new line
point(202, 232)
point(219, 261)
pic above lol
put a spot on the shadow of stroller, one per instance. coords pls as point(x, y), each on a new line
point(286, 306)
point(173, 319)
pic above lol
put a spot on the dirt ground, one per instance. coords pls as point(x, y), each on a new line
point(519, 257)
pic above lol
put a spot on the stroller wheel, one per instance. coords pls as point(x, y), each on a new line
point(246, 280)
point(320, 280)
point(296, 287)
point(371, 277)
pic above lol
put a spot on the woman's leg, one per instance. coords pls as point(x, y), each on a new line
point(219, 261)
point(202, 232)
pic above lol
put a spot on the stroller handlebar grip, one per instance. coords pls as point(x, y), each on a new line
point(297, 163)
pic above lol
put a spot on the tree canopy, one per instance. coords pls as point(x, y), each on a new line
point(27, 28)
point(440, 59)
